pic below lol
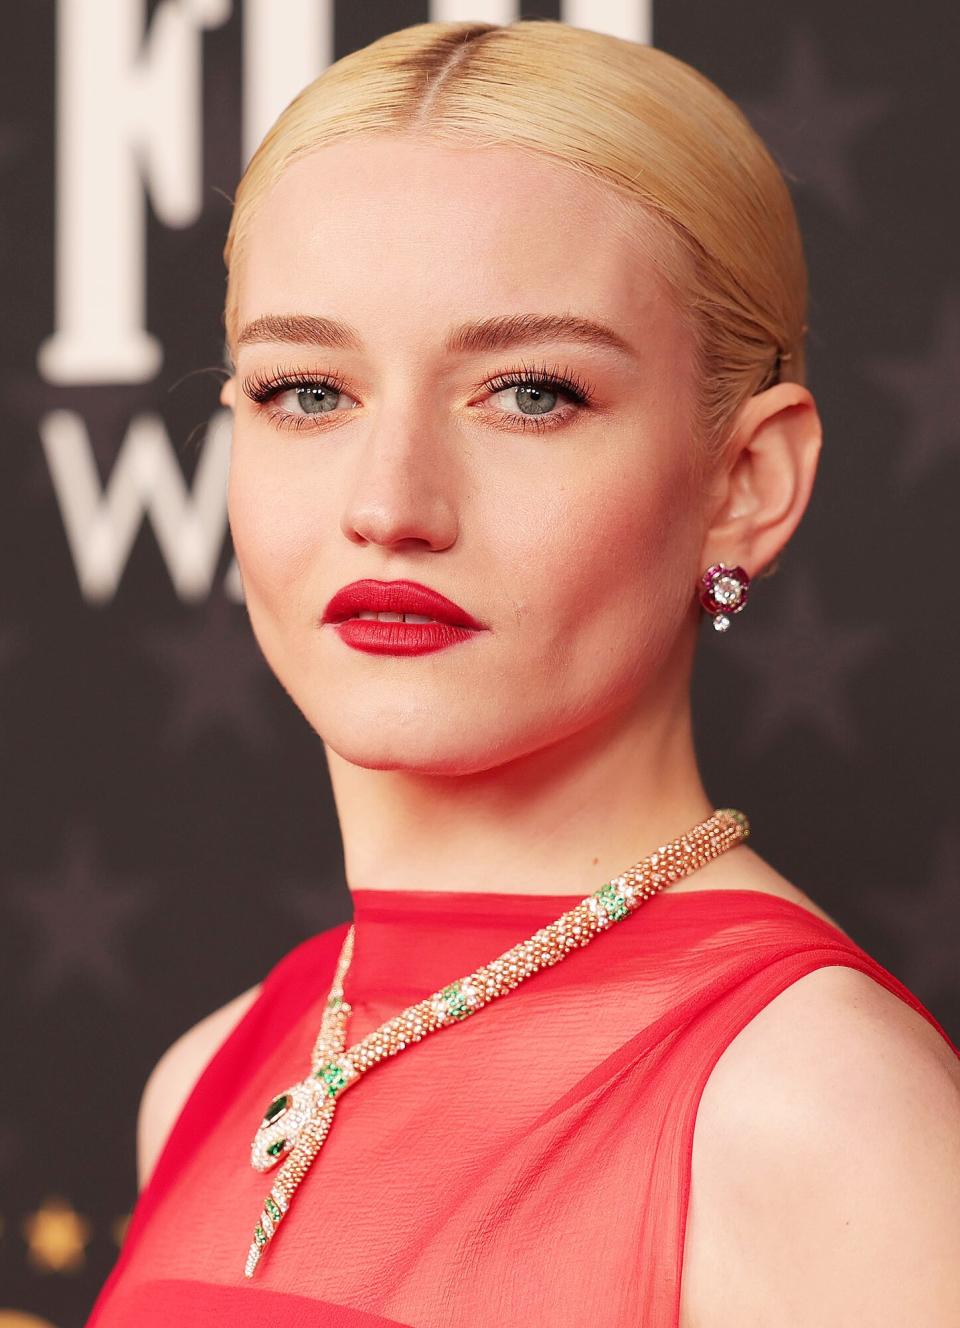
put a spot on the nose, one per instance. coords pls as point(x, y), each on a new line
point(403, 488)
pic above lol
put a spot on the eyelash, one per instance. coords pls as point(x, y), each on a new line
point(263, 388)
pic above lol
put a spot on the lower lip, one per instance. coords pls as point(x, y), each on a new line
point(399, 638)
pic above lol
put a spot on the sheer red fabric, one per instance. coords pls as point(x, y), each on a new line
point(530, 1165)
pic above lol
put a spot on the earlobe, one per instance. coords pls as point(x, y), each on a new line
point(770, 469)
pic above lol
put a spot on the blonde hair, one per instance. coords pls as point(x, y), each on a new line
point(677, 153)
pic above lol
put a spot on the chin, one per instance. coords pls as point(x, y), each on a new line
point(435, 746)
point(425, 755)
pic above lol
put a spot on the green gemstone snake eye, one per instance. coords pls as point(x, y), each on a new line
point(277, 1108)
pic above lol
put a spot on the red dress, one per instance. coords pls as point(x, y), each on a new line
point(528, 1166)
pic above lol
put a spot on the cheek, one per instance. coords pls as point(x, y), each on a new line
point(274, 525)
point(614, 551)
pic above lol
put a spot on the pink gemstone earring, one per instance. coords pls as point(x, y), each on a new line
point(723, 591)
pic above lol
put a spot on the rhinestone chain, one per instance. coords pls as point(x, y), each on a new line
point(334, 1069)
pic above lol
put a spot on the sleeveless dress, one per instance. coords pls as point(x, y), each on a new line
point(529, 1165)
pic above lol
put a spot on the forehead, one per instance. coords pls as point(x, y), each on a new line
point(395, 234)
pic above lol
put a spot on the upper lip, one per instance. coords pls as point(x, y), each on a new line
point(395, 597)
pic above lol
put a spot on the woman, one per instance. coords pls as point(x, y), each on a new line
point(554, 286)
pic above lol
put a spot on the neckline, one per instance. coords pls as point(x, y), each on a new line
point(374, 902)
point(418, 924)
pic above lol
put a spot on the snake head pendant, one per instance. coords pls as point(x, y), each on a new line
point(289, 1112)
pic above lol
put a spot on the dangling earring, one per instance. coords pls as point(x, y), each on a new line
point(723, 591)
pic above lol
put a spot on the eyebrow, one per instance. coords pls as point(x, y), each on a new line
point(497, 333)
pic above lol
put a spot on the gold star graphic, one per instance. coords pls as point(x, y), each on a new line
point(56, 1237)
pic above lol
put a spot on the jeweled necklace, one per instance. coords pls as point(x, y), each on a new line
point(297, 1122)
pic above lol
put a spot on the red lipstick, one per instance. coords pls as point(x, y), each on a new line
point(450, 623)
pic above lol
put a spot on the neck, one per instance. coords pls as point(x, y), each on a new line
point(561, 820)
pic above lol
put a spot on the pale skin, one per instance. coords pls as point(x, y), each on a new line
point(556, 747)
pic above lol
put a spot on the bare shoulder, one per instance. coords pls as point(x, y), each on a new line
point(826, 1166)
point(174, 1075)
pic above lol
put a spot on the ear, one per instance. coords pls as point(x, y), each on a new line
point(228, 393)
point(762, 485)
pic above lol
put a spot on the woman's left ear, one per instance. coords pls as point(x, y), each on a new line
point(762, 485)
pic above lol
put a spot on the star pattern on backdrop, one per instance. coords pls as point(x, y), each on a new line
point(926, 386)
point(920, 916)
point(813, 125)
point(803, 668)
point(79, 917)
point(57, 1237)
point(217, 674)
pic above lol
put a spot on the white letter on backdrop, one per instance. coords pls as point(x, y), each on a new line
point(128, 118)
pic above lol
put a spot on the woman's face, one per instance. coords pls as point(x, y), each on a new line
point(571, 530)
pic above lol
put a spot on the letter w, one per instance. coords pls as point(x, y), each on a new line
point(146, 480)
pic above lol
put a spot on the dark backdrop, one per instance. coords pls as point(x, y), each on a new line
point(167, 825)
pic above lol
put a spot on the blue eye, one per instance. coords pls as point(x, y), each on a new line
point(319, 399)
point(318, 395)
point(538, 391)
